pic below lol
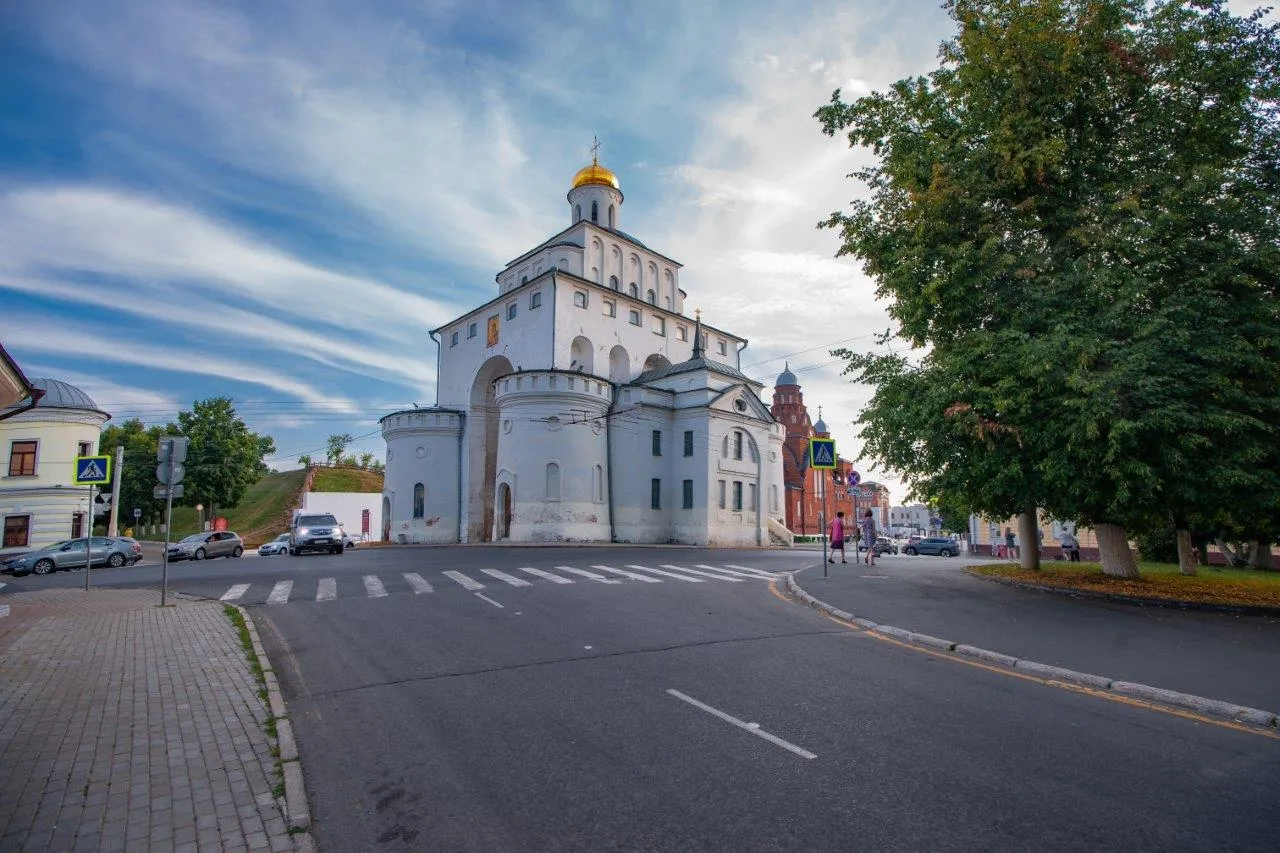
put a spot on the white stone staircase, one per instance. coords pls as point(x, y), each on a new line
point(779, 534)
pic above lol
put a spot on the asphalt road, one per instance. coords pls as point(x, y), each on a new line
point(632, 715)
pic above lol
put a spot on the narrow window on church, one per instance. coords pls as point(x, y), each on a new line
point(577, 212)
point(773, 498)
point(613, 282)
point(737, 496)
point(720, 490)
point(419, 501)
point(657, 442)
point(453, 339)
point(524, 279)
point(737, 444)
point(634, 291)
point(535, 299)
point(610, 308)
point(660, 326)
point(720, 347)
point(580, 299)
point(471, 330)
point(688, 494)
point(611, 220)
point(553, 481)
point(634, 316)
point(655, 493)
point(651, 298)
point(597, 485)
point(595, 211)
point(511, 311)
point(688, 442)
point(682, 334)
point(724, 447)
point(751, 497)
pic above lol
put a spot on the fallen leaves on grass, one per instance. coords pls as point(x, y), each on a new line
point(1202, 589)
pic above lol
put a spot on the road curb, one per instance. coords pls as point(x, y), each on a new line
point(1139, 600)
point(297, 812)
point(1211, 707)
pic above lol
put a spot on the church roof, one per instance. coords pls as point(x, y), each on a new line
point(700, 363)
point(62, 395)
point(786, 377)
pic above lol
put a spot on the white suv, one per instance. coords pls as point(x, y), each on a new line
point(320, 532)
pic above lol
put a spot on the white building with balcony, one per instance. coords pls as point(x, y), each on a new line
point(39, 501)
point(582, 404)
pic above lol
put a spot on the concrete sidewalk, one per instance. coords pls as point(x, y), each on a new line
point(1215, 655)
point(124, 726)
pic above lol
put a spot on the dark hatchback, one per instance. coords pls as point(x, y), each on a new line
point(934, 546)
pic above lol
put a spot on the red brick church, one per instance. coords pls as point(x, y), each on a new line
point(803, 484)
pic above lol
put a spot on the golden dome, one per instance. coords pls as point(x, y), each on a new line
point(595, 174)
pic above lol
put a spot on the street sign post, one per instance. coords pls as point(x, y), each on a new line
point(91, 471)
point(822, 456)
point(170, 453)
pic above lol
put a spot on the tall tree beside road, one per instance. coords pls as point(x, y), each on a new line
point(1074, 220)
point(224, 458)
point(138, 476)
point(337, 447)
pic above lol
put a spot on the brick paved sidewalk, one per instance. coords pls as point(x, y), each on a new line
point(124, 726)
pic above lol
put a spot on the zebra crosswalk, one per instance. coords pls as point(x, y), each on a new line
point(374, 586)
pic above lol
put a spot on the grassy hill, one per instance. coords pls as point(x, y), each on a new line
point(347, 480)
point(263, 512)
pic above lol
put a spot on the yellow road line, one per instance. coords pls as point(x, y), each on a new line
point(1047, 682)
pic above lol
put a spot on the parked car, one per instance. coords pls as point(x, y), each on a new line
point(884, 546)
point(349, 541)
point(70, 554)
point(315, 532)
point(279, 545)
point(201, 546)
point(939, 546)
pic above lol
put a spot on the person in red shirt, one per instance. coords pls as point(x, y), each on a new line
point(837, 537)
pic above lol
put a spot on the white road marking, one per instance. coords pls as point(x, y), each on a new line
point(586, 574)
point(665, 574)
point(327, 590)
point(235, 592)
point(539, 573)
point(753, 728)
point(631, 575)
point(280, 593)
point(418, 583)
point(704, 574)
point(488, 599)
point(503, 576)
point(761, 572)
point(729, 572)
point(374, 587)
point(467, 583)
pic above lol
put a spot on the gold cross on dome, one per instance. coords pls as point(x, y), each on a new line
point(697, 314)
point(595, 149)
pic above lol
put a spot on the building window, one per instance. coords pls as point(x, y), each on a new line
point(22, 459)
point(724, 448)
point(634, 316)
point(751, 496)
point(471, 330)
point(17, 531)
point(580, 298)
point(657, 442)
point(512, 308)
point(611, 219)
point(419, 501)
point(577, 212)
point(773, 498)
point(737, 496)
point(655, 493)
point(597, 484)
point(688, 494)
point(651, 298)
point(688, 442)
point(660, 326)
point(737, 444)
point(453, 339)
point(595, 211)
point(553, 481)
point(613, 282)
point(77, 525)
point(720, 492)
point(720, 348)
point(535, 299)
point(610, 308)
point(524, 279)
point(85, 448)
point(682, 334)
point(634, 291)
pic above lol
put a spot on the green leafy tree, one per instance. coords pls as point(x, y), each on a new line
point(1059, 215)
point(138, 474)
point(337, 447)
point(224, 457)
point(304, 460)
point(366, 459)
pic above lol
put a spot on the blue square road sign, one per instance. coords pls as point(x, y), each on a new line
point(822, 453)
point(93, 470)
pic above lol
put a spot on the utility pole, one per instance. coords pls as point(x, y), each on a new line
point(170, 454)
point(113, 524)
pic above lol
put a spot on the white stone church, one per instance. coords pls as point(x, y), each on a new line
point(581, 404)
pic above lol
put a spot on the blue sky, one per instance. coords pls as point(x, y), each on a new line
point(276, 201)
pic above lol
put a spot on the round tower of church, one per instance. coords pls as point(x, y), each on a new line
point(421, 488)
point(596, 196)
point(553, 467)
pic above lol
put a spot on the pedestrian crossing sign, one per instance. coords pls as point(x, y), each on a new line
point(93, 470)
point(822, 453)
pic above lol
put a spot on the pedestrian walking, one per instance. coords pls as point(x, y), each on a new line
point(1010, 544)
point(1070, 546)
point(868, 527)
point(837, 537)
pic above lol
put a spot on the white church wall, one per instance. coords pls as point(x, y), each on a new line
point(634, 469)
point(552, 456)
point(422, 449)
